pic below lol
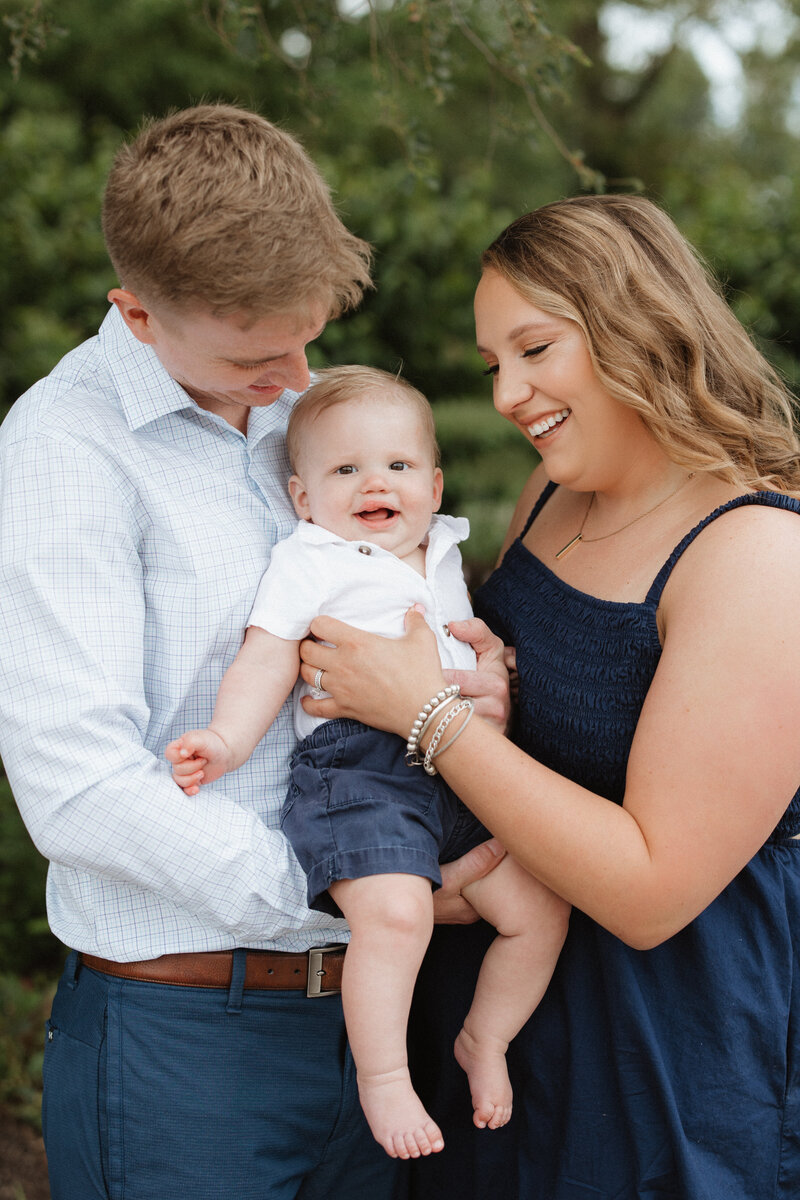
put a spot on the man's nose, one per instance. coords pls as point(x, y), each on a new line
point(291, 371)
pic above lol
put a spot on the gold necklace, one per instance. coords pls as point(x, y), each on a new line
point(579, 535)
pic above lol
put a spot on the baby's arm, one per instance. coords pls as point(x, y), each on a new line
point(250, 697)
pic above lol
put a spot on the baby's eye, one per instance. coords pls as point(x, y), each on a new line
point(347, 469)
point(398, 466)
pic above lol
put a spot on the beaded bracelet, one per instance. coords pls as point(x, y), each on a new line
point(465, 705)
point(423, 720)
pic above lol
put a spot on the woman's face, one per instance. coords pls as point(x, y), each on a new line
point(545, 384)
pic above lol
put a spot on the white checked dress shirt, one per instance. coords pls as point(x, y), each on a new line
point(134, 529)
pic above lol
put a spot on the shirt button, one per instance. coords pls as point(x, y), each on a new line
point(447, 632)
point(365, 550)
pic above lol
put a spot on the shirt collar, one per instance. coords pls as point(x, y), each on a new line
point(443, 532)
point(148, 392)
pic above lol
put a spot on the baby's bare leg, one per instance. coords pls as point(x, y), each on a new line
point(391, 919)
point(531, 923)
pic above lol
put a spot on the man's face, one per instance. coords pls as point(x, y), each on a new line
point(231, 364)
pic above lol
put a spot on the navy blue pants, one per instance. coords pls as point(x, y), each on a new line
point(153, 1091)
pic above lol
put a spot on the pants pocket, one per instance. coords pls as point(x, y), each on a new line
point(72, 1115)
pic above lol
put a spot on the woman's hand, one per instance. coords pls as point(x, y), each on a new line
point(381, 681)
point(488, 685)
point(449, 906)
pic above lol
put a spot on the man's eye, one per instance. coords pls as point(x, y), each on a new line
point(348, 469)
point(398, 466)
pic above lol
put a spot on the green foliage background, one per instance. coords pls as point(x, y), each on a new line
point(435, 122)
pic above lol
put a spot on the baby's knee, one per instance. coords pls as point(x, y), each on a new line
point(401, 906)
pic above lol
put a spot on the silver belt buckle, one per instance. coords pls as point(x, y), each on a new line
point(317, 972)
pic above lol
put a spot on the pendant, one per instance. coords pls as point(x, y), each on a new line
point(569, 546)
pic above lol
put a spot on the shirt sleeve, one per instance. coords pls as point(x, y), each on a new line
point(74, 708)
point(291, 590)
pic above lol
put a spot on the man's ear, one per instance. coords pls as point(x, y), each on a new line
point(299, 495)
point(136, 315)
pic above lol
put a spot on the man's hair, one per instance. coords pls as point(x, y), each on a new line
point(661, 337)
point(214, 207)
point(338, 385)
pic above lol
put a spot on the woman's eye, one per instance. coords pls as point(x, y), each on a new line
point(534, 351)
point(491, 370)
point(347, 469)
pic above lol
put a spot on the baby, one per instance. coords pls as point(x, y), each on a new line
point(368, 826)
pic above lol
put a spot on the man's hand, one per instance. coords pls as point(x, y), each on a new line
point(449, 906)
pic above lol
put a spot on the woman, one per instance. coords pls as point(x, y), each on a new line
point(649, 586)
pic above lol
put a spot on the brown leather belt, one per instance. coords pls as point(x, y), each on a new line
point(317, 972)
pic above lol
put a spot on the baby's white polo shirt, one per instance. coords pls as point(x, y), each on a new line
point(314, 572)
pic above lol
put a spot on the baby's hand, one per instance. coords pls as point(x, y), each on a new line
point(199, 756)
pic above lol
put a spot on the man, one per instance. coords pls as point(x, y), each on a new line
point(143, 484)
point(196, 1046)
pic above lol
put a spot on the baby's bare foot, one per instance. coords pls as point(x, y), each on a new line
point(485, 1064)
point(396, 1116)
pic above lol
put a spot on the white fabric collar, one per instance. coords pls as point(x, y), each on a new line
point(443, 532)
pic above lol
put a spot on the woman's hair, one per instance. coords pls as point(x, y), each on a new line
point(338, 385)
point(213, 207)
point(661, 337)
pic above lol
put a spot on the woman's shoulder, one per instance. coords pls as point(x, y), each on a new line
point(743, 549)
point(760, 519)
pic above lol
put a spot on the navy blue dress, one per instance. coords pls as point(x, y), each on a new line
point(668, 1073)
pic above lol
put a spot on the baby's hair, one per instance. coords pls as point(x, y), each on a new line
point(338, 385)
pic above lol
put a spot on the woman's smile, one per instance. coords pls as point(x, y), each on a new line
point(544, 427)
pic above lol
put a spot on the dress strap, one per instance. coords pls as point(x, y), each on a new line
point(766, 499)
point(546, 493)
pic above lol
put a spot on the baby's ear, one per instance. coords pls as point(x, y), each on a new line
point(299, 495)
point(438, 488)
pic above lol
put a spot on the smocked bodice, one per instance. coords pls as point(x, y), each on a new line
point(585, 664)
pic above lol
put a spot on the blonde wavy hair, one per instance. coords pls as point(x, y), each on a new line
point(215, 207)
point(661, 337)
point(338, 385)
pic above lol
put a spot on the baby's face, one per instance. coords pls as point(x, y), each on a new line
point(366, 472)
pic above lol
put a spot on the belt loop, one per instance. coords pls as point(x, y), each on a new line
point(72, 969)
point(237, 981)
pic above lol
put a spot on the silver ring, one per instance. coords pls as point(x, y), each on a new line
point(318, 680)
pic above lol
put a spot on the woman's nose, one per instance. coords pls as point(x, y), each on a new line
point(510, 390)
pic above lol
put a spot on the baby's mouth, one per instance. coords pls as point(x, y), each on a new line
point(376, 516)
